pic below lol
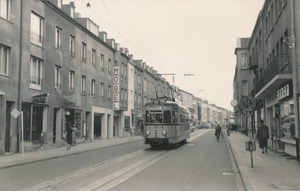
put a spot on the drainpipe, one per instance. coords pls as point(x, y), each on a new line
point(295, 80)
point(20, 75)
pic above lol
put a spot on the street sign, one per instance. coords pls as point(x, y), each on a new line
point(234, 103)
point(15, 113)
point(248, 103)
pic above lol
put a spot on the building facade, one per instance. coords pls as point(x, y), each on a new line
point(273, 57)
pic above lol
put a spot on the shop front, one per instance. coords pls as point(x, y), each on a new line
point(281, 119)
point(34, 124)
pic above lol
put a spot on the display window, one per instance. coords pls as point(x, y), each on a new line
point(287, 119)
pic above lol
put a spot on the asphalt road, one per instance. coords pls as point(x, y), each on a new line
point(202, 163)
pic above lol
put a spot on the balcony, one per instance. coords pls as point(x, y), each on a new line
point(277, 74)
point(36, 39)
point(253, 61)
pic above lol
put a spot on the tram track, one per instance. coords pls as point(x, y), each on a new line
point(63, 180)
point(112, 179)
point(120, 176)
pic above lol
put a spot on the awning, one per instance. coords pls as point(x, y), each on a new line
point(42, 98)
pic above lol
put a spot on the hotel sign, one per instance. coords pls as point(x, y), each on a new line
point(116, 89)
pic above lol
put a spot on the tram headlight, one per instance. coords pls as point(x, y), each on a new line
point(148, 133)
point(164, 133)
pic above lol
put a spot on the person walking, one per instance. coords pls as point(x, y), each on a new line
point(263, 136)
point(42, 139)
point(218, 130)
point(74, 134)
point(132, 131)
point(228, 129)
point(69, 137)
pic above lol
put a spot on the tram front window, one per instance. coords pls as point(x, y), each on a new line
point(167, 116)
point(156, 118)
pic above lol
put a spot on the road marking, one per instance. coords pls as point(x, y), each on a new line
point(63, 180)
point(229, 173)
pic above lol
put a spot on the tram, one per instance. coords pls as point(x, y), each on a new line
point(167, 122)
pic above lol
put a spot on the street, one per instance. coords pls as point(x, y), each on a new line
point(201, 163)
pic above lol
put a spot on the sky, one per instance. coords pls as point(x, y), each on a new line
point(196, 37)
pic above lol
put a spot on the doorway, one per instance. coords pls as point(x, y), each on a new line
point(8, 126)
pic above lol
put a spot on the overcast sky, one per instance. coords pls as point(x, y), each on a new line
point(180, 36)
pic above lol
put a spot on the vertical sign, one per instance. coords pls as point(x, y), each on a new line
point(116, 89)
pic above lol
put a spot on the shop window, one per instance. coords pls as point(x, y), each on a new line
point(287, 119)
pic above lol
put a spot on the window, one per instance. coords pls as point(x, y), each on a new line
point(244, 64)
point(109, 93)
point(5, 9)
point(93, 88)
point(72, 45)
point(57, 75)
point(122, 71)
point(36, 36)
point(122, 96)
point(94, 58)
point(36, 73)
point(71, 81)
point(139, 101)
point(58, 36)
point(83, 52)
point(4, 59)
point(245, 88)
point(109, 66)
point(125, 73)
point(102, 63)
point(101, 90)
point(83, 82)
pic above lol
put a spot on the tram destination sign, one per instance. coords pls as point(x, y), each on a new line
point(159, 108)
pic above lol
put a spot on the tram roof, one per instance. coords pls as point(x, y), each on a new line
point(168, 103)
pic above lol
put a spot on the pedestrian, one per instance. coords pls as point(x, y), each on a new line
point(132, 131)
point(218, 130)
point(273, 134)
point(228, 129)
point(42, 139)
point(69, 137)
point(263, 136)
point(74, 134)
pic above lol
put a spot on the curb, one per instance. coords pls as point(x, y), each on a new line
point(246, 184)
point(20, 163)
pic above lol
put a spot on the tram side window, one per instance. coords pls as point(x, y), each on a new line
point(147, 117)
point(167, 116)
point(187, 118)
point(182, 117)
point(156, 118)
point(175, 116)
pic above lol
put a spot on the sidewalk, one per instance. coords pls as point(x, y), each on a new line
point(50, 153)
point(272, 171)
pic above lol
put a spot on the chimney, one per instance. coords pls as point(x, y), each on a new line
point(69, 9)
point(122, 50)
point(130, 57)
point(126, 51)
